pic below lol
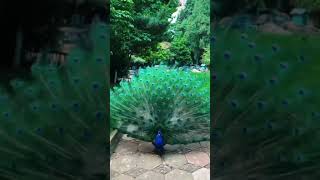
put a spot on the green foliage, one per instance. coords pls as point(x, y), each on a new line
point(309, 4)
point(180, 51)
point(137, 28)
point(194, 25)
point(160, 55)
point(138, 59)
point(160, 98)
point(206, 56)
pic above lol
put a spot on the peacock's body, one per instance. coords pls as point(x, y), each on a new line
point(54, 126)
point(169, 100)
point(266, 105)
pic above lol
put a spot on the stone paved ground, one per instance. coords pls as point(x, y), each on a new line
point(134, 159)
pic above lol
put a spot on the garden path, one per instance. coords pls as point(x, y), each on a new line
point(135, 159)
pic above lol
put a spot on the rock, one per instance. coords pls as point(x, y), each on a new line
point(262, 19)
point(290, 26)
point(273, 28)
point(310, 28)
point(226, 21)
point(280, 18)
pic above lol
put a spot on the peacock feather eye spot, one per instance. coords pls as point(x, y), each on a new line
point(301, 92)
point(234, 104)
point(260, 104)
point(99, 115)
point(51, 69)
point(39, 131)
point(269, 125)
point(35, 107)
point(244, 36)
point(301, 58)
point(29, 90)
point(86, 134)
point(275, 48)
point(285, 102)
point(257, 58)
point(76, 80)
point(99, 60)
point(19, 131)
point(252, 45)
point(51, 83)
point(6, 114)
point(76, 60)
point(213, 39)
point(95, 86)
point(315, 114)
point(296, 131)
point(242, 75)
point(283, 65)
point(272, 81)
point(245, 130)
point(76, 106)
point(227, 55)
point(103, 36)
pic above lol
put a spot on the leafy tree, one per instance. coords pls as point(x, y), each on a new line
point(195, 26)
point(159, 55)
point(137, 27)
point(309, 4)
point(122, 32)
point(180, 51)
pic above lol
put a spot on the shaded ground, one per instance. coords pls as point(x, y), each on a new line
point(134, 159)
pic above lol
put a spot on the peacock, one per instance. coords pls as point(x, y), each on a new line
point(265, 106)
point(54, 126)
point(163, 105)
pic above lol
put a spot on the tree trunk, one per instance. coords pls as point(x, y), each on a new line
point(18, 50)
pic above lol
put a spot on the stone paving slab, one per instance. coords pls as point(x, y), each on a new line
point(135, 159)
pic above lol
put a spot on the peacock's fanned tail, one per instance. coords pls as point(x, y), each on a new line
point(54, 126)
point(266, 110)
point(162, 98)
